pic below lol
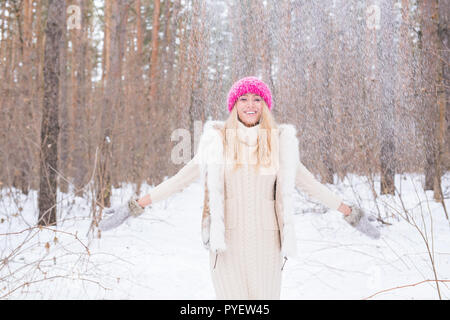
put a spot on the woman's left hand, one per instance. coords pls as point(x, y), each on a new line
point(345, 209)
point(362, 222)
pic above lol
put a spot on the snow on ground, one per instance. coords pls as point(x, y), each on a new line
point(159, 255)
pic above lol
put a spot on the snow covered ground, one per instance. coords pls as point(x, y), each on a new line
point(159, 255)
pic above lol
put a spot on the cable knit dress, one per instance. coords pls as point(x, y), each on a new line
point(251, 266)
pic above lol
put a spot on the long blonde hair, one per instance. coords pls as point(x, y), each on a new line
point(266, 145)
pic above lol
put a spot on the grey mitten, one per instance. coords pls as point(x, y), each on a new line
point(362, 222)
point(115, 216)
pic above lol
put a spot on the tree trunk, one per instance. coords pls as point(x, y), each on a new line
point(111, 104)
point(65, 126)
point(154, 56)
point(139, 27)
point(433, 94)
point(80, 88)
point(387, 49)
point(441, 100)
point(106, 41)
point(330, 86)
point(50, 125)
point(23, 14)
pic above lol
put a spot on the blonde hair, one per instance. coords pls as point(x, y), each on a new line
point(265, 143)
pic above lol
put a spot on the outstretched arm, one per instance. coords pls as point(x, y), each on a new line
point(306, 181)
point(188, 174)
point(117, 215)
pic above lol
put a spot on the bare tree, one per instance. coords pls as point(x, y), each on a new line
point(50, 125)
point(434, 93)
point(388, 53)
point(112, 97)
point(154, 56)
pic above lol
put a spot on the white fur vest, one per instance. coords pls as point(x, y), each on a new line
point(212, 170)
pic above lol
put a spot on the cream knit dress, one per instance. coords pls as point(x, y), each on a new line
point(250, 267)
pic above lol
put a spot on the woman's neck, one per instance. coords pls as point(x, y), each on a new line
point(248, 135)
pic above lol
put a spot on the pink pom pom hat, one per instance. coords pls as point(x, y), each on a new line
point(249, 85)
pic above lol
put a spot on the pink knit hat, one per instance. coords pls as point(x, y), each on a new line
point(249, 85)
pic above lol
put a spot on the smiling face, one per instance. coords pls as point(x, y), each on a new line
point(249, 108)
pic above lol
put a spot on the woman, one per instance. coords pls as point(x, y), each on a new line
point(250, 167)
